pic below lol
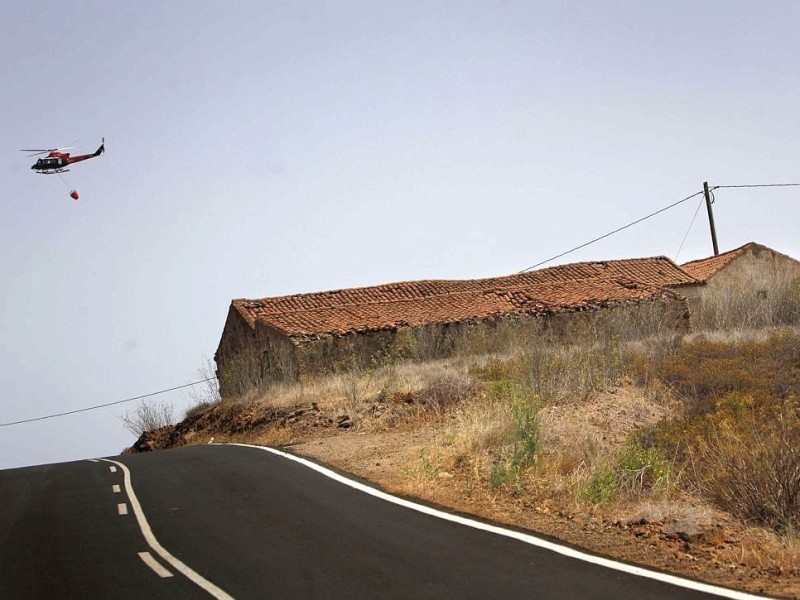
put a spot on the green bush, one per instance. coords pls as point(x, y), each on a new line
point(524, 440)
point(603, 486)
point(641, 469)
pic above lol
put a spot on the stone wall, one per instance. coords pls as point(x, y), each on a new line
point(758, 288)
point(624, 321)
point(237, 356)
point(252, 357)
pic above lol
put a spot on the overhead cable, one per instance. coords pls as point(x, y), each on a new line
point(88, 408)
point(683, 241)
point(757, 185)
point(602, 237)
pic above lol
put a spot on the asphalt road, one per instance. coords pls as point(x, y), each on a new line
point(240, 522)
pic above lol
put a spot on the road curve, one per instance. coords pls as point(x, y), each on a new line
point(62, 536)
point(256, 525)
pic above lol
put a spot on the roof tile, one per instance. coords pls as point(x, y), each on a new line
point(470, 305)
point(574, 286)
point(704, 268)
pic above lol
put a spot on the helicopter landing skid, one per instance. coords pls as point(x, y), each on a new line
point(53, 171)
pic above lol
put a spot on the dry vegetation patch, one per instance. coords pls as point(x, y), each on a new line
point(604, 421)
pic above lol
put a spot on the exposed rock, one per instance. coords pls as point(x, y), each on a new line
point(683, 530)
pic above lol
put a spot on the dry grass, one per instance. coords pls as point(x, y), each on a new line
point(763, 550)
point(680, 507)
point(504, 407)
point(345, 389)
point(479, 437)
point(737, 336)
point(752, 308)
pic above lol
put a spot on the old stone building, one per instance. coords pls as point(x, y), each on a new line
point(281, 338)
point(750, 286)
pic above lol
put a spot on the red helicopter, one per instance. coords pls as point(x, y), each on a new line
point(56, 161)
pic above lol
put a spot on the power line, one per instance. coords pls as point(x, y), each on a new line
point(613, 232)
point(683, 241)
point(80, 410)
point(756, 185)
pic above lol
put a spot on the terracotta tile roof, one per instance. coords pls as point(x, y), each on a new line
point(456, 307)
point(467, 305)
point(704, 268)
point(261, 308)
point(656, 271)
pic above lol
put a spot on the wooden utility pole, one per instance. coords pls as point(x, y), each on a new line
point(711, 218)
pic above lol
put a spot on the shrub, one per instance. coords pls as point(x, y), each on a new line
point(240, 374)
point(602, 487)
point(706, 371)
point(750, 466)
point(448, 389)
point(637, 469)
point(498, 474)
point(494, 369)
point(147, 417)
point(355, 382)
point(198, 409)
point(738, 442)
point(560, 371)
point(641, 469)
point(524, 440)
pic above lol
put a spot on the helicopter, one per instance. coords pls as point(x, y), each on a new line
point(56, 160)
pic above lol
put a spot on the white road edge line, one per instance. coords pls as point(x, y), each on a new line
point(151, 540)
point(523, 537)
point(151, 562)
point(122, 508)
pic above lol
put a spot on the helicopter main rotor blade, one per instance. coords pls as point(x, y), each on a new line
point(71, 145)
point(37, 151)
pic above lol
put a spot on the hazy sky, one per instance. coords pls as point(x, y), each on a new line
point(267, 148)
